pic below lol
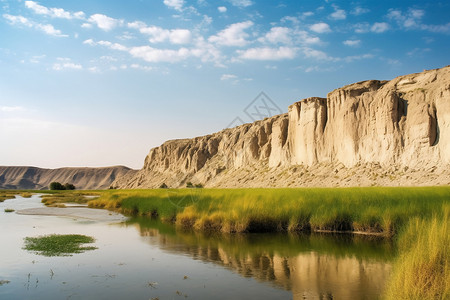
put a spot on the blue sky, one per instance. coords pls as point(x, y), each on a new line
point(98, 83)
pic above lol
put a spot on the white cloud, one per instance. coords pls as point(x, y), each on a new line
point(203, 50)
point(266, 53)
point(108, 44)
point(357, 57)
point(352, 43)
point(241, 3)
point(293, 20)
point(108, 58)
point(150, 54)
point(37, 59)
point(228, 77)
point(140, 67)
point(104, 22)
point(338, 14)
point(50, 30)
point(316, 54)
point(89, 42)
point(46, 28)
point(14, 20)
point(10, 108)
point(158, 34)
point(180, 36)
point(86, 25)
point(359, 11)
point(379, 27)
point(410, 19)
point(418, 52)
point(113, 46)
point(207, 52)
point(278, 35)
point(174, 4)
point(94, 70)
point(303, 37)
point(222, 9)
point(233, 35)
point(362, 27)
point(53, 12)
point(307, 14)
point(436, 28)
point(320, 27)
point(66, 65)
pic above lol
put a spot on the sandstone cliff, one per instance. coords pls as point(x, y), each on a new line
point(82, 178)
point(368, 133)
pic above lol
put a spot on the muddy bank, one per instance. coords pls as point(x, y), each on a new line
point(75, 212)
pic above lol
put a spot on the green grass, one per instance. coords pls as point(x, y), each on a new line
point(9, 210)
point(58, 245)
point(370, 210)
point(422, 270)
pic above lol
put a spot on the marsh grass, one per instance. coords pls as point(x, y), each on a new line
point(58, 198)
point(58, 245)
point(379, 210)
point(422, 270)
point(7, 194)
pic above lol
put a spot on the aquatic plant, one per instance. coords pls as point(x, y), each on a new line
point(59, 245)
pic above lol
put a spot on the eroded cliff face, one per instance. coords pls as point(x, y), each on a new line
point(368, 133)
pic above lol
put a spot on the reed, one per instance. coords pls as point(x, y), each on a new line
point(377, 210)
point(422, 269)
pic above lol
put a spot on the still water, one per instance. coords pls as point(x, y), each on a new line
point(146, 259)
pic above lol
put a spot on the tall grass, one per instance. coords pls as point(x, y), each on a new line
point(422, 270)
point(377, 210)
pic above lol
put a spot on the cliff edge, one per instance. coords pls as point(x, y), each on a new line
point(386, 133)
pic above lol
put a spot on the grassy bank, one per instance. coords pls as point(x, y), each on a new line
point(369, 210)
point(416, 218)
point(422, 269)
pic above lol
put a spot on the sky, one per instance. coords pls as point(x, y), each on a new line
point(92, 83)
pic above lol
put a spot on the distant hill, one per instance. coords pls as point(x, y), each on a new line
point(39, 179)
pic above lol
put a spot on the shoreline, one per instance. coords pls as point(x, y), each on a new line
point(75, 212)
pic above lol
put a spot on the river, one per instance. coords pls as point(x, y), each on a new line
point(140, 258)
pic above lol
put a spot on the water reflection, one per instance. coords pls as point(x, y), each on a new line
point(316, 266)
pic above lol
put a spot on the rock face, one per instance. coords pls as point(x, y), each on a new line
point(368, 133)
point(38, 179)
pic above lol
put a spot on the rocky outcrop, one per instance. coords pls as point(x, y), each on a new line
point(38, 179)
point(368, 133)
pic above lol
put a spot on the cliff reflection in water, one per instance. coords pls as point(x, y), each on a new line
point(322, 266)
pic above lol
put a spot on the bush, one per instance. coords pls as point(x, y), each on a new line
point(69, 186)
point(163, 186)
point(189, 185)
point(56, 186)
point(59, 187)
